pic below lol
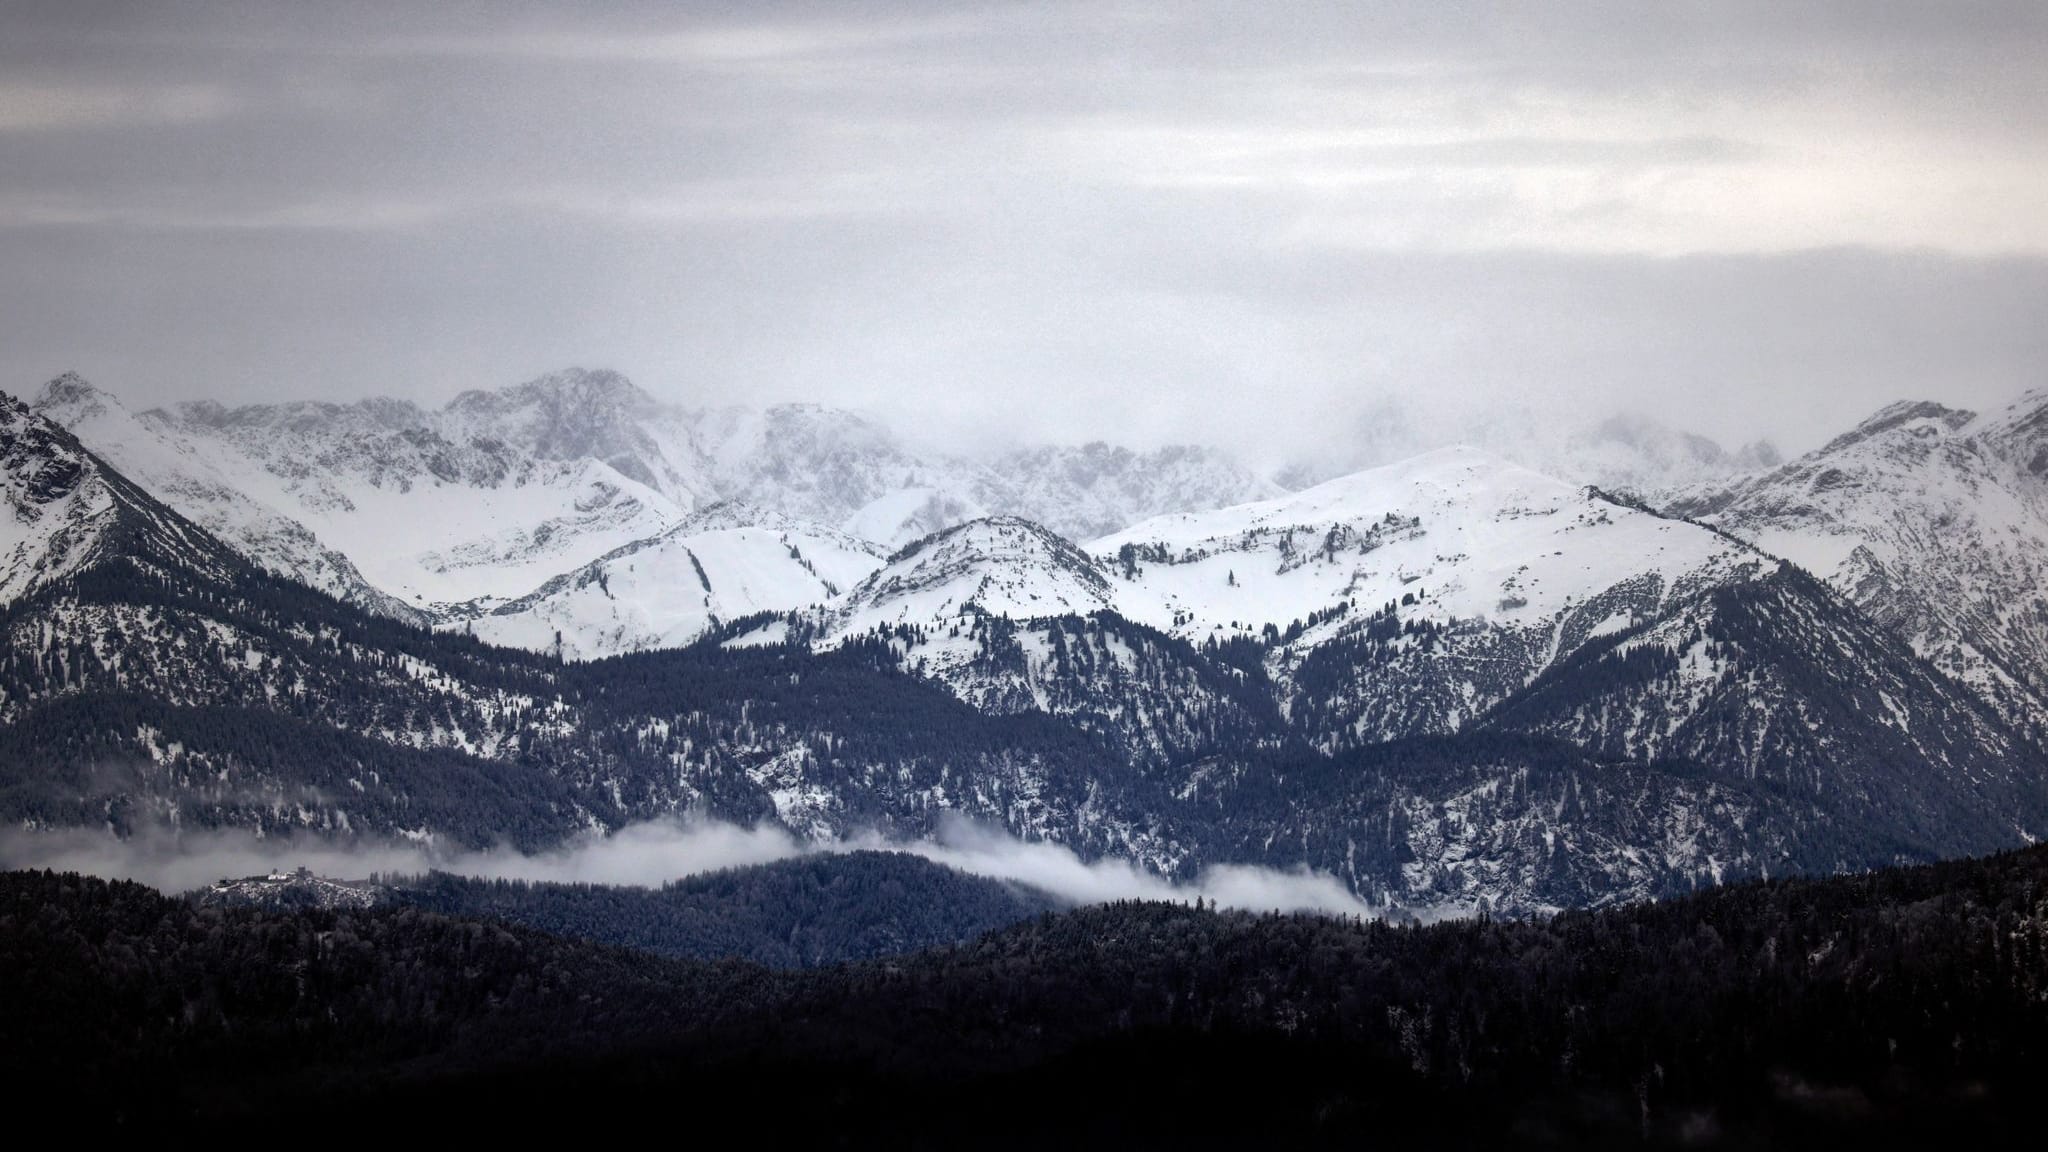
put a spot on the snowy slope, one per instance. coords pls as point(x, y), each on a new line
point(62, 511)
point(717, 565)
point(1935, 522)
point(1458, 594)
point(1001, 566)
point(1412, 598)
point(55, 507)
point(1780, 680)
point(198, 485)
point(577, 415)
point(832, 467)
point(1468, 535)
point(424, 513)
point(423, 516)
point(1403, 600)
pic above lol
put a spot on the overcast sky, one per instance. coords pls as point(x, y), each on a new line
point(1239, 223)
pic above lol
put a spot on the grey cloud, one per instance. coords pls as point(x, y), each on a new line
point(649, 854)
point(173, 860)
point(1230, 222)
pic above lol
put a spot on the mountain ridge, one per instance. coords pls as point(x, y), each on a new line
point(416, 511)
point(1932, 519)
point(169, 679)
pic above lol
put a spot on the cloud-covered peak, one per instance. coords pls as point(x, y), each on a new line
point(591, 394)
point(68, 389)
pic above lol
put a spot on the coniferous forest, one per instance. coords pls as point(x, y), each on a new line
point(1906, 1006)
point(801, 913)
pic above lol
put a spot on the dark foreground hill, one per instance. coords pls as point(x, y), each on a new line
point(1902, 1007)
point(801, 913)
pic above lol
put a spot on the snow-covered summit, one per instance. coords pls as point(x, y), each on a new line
point(62, 509)
point(53, 506)
point(1464, 532)
point(222, 493)
point(564, 399)
point(716, 565)
point(1920, 421)
point(1000, 566)
point(1417, 598)
point(840, 469)
point(69, 391)
point(423, 513)
point(575, 415)
point(1933, 520)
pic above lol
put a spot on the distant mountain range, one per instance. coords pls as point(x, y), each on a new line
point(451, 514)
point(1451, 682)
point(385, 503)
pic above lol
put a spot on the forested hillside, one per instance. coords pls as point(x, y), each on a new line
point(1901, 1006)
point(801, 913)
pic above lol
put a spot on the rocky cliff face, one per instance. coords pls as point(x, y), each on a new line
point(1935, 522)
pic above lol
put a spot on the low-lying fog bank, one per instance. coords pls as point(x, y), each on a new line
point(652, 853)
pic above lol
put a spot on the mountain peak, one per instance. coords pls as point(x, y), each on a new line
point(67, 388)
point(1649, 434)
point(568, 415)
point(1936, 418)
point(820, 420)
point(586, 390)
point(994, 566)
point(63, 510)
point(2025, 418)
point(1758, 455)
point(1001, 533)
point(29, 438)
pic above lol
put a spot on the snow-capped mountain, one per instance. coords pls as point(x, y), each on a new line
point(1460, 533)
point(1002, 566)
point(65, 511)
point(1464, 574)
point(835, 468)
point(1935, 522)
point(425, 514)
point(154, 675)
point(575, 416)
point(718, 564)
point(1412, 598)
point(1457, 534)
point(212, 491)
point(1780, 680)
point(1454, 592)
point(430, 510)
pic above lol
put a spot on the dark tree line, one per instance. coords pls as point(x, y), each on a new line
point(1903, 1006)
point(801, 913)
